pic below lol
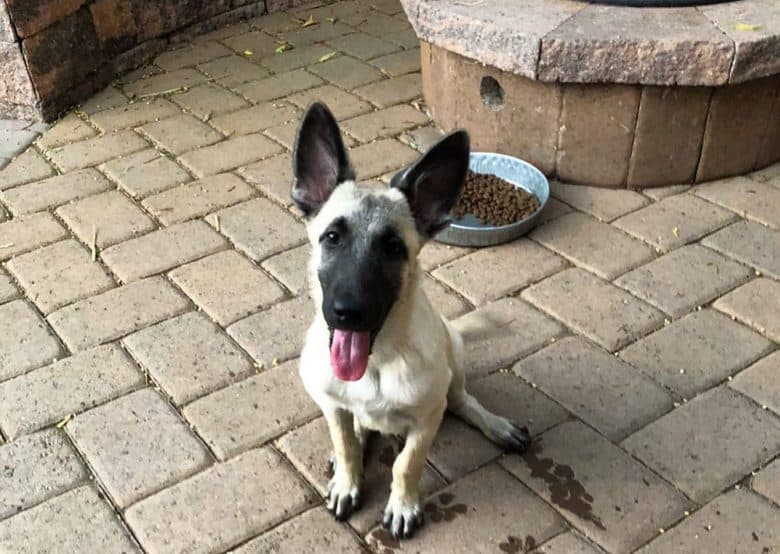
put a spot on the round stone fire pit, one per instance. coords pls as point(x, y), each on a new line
point(607, 95)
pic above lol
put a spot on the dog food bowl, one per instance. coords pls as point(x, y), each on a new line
point(470, 231)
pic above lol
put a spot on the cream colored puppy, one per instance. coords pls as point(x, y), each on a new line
point(378, 356)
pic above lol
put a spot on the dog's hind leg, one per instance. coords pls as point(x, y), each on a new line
point(500, 430)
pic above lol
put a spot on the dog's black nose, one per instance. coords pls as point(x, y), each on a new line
point(348, 312)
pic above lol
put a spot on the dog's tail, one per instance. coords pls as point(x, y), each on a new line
point(477, 326)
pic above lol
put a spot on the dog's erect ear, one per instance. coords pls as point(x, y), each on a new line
point(432, 185)
point(320, 160)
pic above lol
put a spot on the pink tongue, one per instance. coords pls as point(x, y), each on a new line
point(349, 354)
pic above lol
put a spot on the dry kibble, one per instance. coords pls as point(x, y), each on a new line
point(494, 200)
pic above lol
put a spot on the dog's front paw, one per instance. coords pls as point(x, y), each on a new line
point(403, 517)
point(343, 496)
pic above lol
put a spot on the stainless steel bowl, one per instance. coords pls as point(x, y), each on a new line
point(470, 231)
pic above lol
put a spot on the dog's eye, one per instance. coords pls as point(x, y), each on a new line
point(395, 248)
point(331, 238)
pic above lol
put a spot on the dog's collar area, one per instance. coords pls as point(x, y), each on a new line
point(371, 347)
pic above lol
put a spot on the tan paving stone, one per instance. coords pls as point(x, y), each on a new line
point(767, 481)
point(459, 449)
point(197, 198)
point(750, 199)
point(109, 97)
point(362, 46)
point(423, 138)
point(406, 38)
point(378, 24)
point(26, 342)
point(295, 58)
point(256, 42)
point(248, 495)
point(229, 154)
point(674, 221)
point(594, 245)
point(553, 210)
point(346, 72)
point(278, 86)
point(163, 83)
point(659, 193)
point(70, 128)
point(273, 176)
point(291, 268)
point(312, 531)
point(392, 91)
point(276, 333)
point(232, 71)
point(137, 445)
point(488, 508)
point(383, 123)
point(708, 443)
point(111, 214)
point(162, 250)
point(8, 290)
point(343, 104)
point(37, 467)
point(180, 134)
point(77, 521)
point(59, 274)
point(601, 490)
point(95, 151)
point(750, 243)
point(309, 447)
point(227, 286)
point(600, 311)
point(26, 167)
point(519, 264)
point(603, 204)
point(188, 356)
point(603, 391)
point(760, 382)
point(254, 119)
point(320, 32)
point(29, 232)
point(209, 99)
point(145, 173)
point(755, 304)
point(54, 191)
point(505, 394)
point(434, 254)
point(285, 135)
point(389, 7)
point(259, 228)
point(449, 304)
point(135, 114)
point(399, 63)
point(737, 521)
point(696, 352)
point(190, 55)
point(116, 313)
point(567, 543)
point(253, 411)
point(515, 329)
point(47, 395)
point(379, 157)
point(683, 279)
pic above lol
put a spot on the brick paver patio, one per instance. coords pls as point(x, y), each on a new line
point(152, 305)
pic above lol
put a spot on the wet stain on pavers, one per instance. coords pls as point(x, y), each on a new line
point(513, 545)
point(383, 541)
point(445, 510)
point(565, 490)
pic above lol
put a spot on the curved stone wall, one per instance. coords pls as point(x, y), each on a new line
point(54, 53)
point(610, 135)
